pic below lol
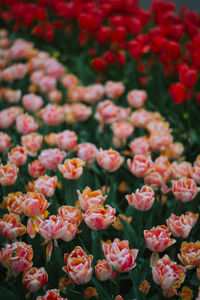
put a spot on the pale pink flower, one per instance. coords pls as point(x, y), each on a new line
point(46, 185)
point(67, 140)
point(140, 165)
point(87, 152)
point(25, 124)
point(98, 217)
point(184, 189)
point(4, 142)
point(110, 160)
point(34, 278)
point(113, 89)
point(142, 199)
point(18, 156)
point(32, 102)
point(137, 98)
point(53, 114)
point(32, 142)
point(140, 145)
point(51, 158)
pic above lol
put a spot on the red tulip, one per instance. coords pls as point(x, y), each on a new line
point(187, 76)
point(99, 64)
point(173, 50)
point(178, 92)
point(103, 34)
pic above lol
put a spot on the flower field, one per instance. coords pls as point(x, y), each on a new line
point(100, 150)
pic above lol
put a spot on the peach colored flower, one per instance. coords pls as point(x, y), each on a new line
point(158, 238)
point(140, 145)
point(122, 129)
point(47, 84)
point(99, 217)
point(80, 112)
point(72, 168)
point(46, 185)
point(32, 142)
point(18, 156)
point(51, 158)
point(179, 226)
point(78, 266)
point(90, 292)
point(142, 199)
point(75, 93)
point(8, 174)
point(16, 257)
point(70, 214)
point(169, 275)
point(69, 80)
point(88, 198)
point(34, 278)
point(87, 152)
point(8, 116)
point(174, 151)
point(160, 140)
point(67, 140)
point(158, 127)
point(53, 114)
point(181, 169)
point(36, 169)
point(186, 293)
point(10, 226)
point(103, 271)
point(25, 124)
point(55, 96)
point(119, 256)
point(12, 202)
point(137, 98)
point(140, 165)
point(51, 295)
point(110, 160)
point(193, 217)
point(50, 139)
point(107, 112)
point(4, 142)
point(190, 254)
point(32, 102)
point(184, 189)
point(140, 117)
point(113, 89)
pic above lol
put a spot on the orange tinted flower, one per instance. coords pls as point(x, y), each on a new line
point(140, 165)
point(158, 238)
point(66, 140)
point(193, 217)
point(114, 89)
point(18, 156)
point(34, 278)
point(174, 150)
point(142, 199)
point(46, 185)
point(16, 257)
point(119, 256)
point(99, 217)
point(32, 142)
point(186, 293)
point(90, 198)
point(72, 168)
point(179, 226)
point(78, 266)
point(12, 202)
point(11, 227)
point(51, 295)
point(182, 169)
point(36, 169)
point(25, 124)
point(4, 142)
point(140, 145)
point(90, 292)
point(122, 129)
point(8, 174)
point(109, 160)
point(50, 139)
point(190, 254)
point(103, 271)
point(71, 214)
point(184, 189)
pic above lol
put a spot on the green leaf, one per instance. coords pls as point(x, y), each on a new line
point(7, 294)
point(101, 291)
point(130, 233)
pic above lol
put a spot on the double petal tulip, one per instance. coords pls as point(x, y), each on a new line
point(179, 226)
point(72, 168)
point(51, 158)
point(51, 295)
point(11, 227)
point(89, 198)
point(36, 169)
point(99, 217)
point(169, 275)
point(184, 189)
point(34, 278)
point(32, 142)
point(25, 124)
point(119, 256)
point(104, 271)
point(18, 156)
point(78, 266)
point(4, 142)
point(142, 199)
point(158, 238)
point(16, 257)
point(190, 254)
point(140, 165)
point(110, 160)
point(12, 202)
point(46, 185)
point(66, 140)
point(70, 214)
point(87, 152)
point(8, 174)
point(137, 98)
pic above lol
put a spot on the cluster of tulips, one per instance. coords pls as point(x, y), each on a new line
point(118, 32)
point(78, 174)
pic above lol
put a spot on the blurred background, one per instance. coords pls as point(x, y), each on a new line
point(192, 4)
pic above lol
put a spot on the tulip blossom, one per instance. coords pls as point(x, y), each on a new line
point(18, 156)
point(103, 271)
point(179, 226)
point(51, 158)
point(178, 92)
point(113, 89)
point(34, 278)
point(70, 214)
point(110, 160)
point(78, 266)
point(35, 207)
point(51, 295)
point(140, 145)
point(52, 114)
point(50, 139)
point(184, 189)
point(193, 217)
point(142, 199)
point(67, 140)
point(87, 152)
point(36, 169)
point(11, 227)
point(25, 124)
point(99, 217)
point(169, 275)
point(190, 254)
point(140, 118)
point(158, 238)
point(88, 198)
point(16, 257)
point(52, 229)
point(137, 98)
point(122, 129)
point(8, 174)
point(12, 202)
point(140, 165)
point(182, 169)
point(46, 185)
point(72, 168)
point(4, 142)
point(8, 116)
point(90, 292)
point(119, 256)
point(32, 102)
point(174, 151)
point(32, 142)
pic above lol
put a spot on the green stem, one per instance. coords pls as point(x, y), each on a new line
point(117, 288)
point(140, 219)
point(106, 182)
point(96, 244)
